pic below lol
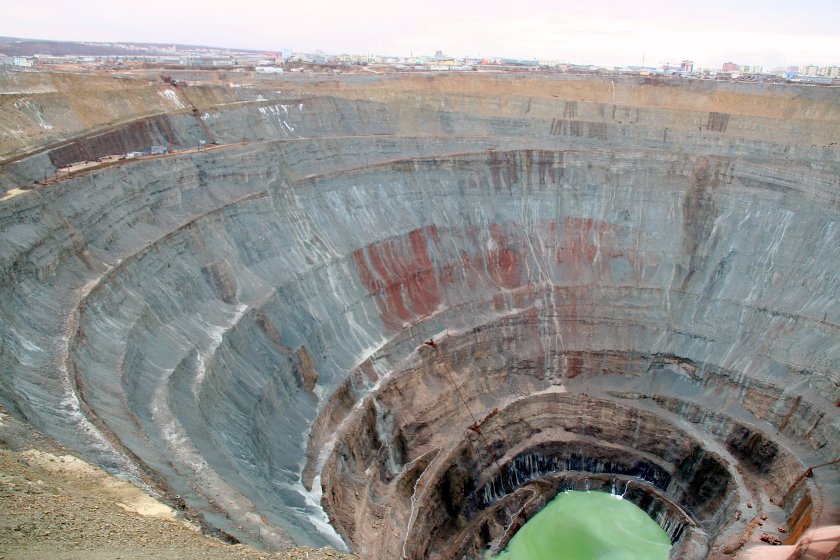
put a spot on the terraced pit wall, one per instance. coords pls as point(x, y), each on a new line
point(438, 301)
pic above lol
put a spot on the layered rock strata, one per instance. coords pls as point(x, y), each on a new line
point(438, 309)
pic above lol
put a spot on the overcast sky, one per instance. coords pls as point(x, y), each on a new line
point(608, 32)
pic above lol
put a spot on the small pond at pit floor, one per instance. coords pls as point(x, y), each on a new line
point(588, 526)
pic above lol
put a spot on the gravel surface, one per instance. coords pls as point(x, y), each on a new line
point(54, 505)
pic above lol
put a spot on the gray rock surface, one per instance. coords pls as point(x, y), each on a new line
point(228, 326)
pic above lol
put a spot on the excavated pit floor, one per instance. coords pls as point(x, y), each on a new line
point(402, 314)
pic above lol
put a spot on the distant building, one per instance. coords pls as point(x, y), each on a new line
point(49, 59)
point(320, 57)
point(269, 70)
point(811, 70)
point(687, 66)
point(205, 62)
point(301, 57)
point(792, 77)
point(520, 62)
point(832, 71)
point(19, 61)
point(730, 67)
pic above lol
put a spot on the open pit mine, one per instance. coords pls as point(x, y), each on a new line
point(400, 314)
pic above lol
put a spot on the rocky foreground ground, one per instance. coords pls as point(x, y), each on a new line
point(54, 505)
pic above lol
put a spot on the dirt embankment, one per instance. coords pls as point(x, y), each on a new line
point(54, 505)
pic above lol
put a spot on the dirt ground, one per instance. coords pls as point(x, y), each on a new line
point(54, 505)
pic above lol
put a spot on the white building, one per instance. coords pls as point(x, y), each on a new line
point(830, 71)
point(269, 70)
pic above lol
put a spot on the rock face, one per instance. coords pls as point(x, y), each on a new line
point(440, 301)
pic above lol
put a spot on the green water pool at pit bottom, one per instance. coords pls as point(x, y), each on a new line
point(588, 526)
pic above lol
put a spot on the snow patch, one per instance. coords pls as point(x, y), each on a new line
point(172, 97)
